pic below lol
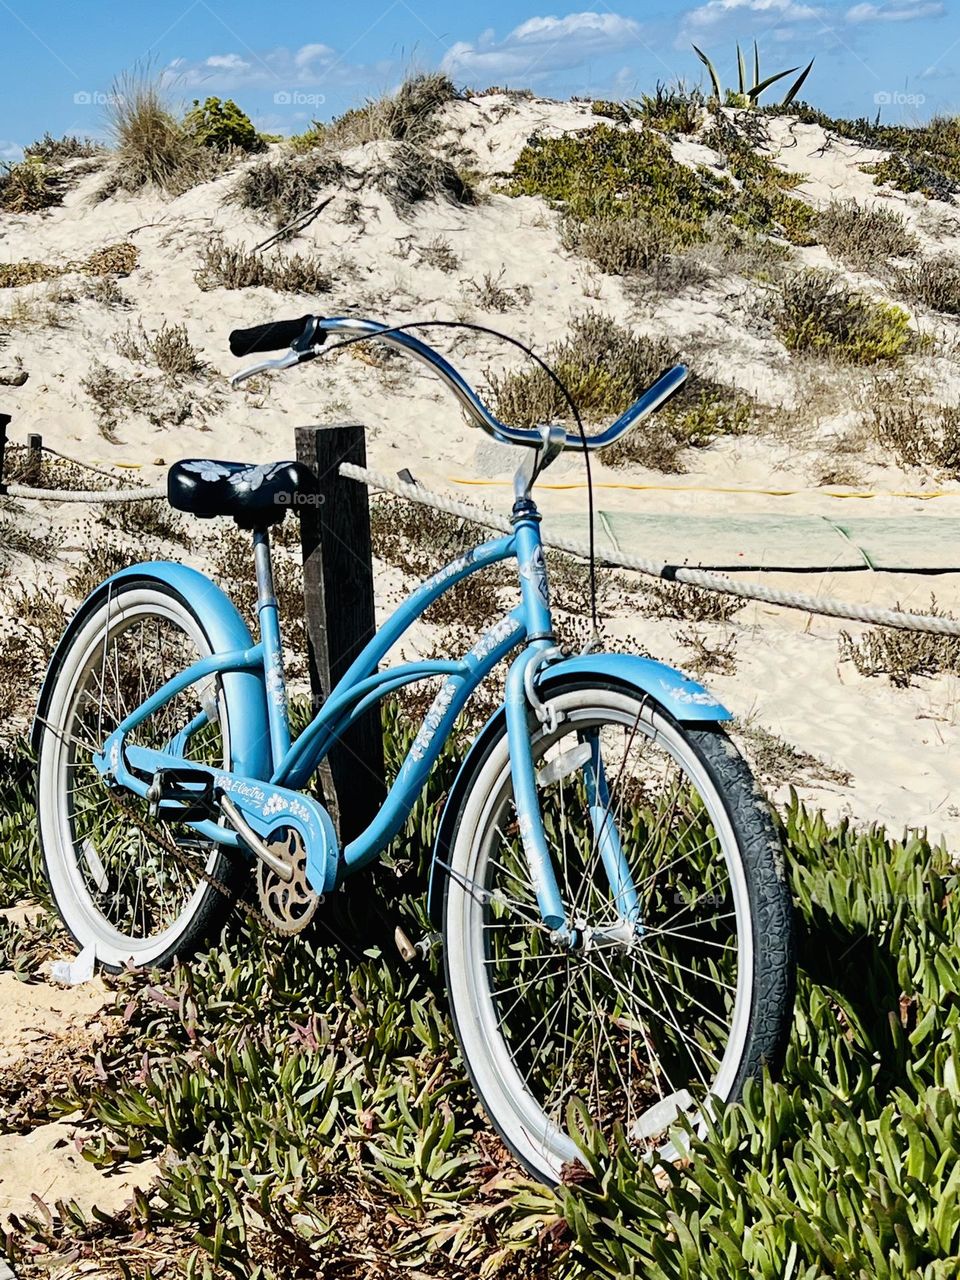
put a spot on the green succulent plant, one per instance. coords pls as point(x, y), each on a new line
point(747, 95)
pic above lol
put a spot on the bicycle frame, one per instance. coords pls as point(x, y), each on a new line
point(291, 765)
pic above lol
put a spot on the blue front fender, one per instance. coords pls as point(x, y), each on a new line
point(684, 699)
point(226, 631)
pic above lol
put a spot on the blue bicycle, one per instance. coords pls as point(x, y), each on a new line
point(607, 879)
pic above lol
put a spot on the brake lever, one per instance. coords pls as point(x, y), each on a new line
point(282, 362)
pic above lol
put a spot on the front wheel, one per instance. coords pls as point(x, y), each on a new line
point(647, 1013)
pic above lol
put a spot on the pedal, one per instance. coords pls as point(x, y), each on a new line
point(409, 951)
point(191, 790)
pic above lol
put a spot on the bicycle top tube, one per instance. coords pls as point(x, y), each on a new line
point(310, 332)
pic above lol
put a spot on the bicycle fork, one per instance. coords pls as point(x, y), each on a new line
point(520, 698)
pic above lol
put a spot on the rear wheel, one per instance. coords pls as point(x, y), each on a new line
point(645, 1017)
point(126, 883)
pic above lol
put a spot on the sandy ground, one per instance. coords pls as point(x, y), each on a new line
point(899, 746)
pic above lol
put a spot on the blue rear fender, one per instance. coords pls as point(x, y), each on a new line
point(226, 631)
point(684, 699)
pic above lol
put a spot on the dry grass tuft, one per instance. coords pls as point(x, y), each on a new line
point(409, 115)
point(491, 294)
point(935, 283)
point(287, 187)
point(439, 254)
point(660, 598)
point(153, 147)
point(112, 260)
point(917, 433)
point(902, 655)
point(864, 238)
point(233, 267)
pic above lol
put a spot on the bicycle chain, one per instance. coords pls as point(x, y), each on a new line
point(172, 847)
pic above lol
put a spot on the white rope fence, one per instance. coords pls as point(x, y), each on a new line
point(831, 608)
point(91, 496)
point(826, 606)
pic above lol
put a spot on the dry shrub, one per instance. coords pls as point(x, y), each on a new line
point(661, 598)
point(30, 186)
point(410, 173)
point(864, 238)
point(491, 294)
point(707, 656)
point(902, 655)
point(409, 115)
point(232, 563)
point(36, 618)
point(149, 518)
point(233, 267)
point(917, 433)
point(99, 559)
point(112, 260)
point(57, 150)
point(935, 283)
point(284, 188)
point(419, 542)
point(439, 254)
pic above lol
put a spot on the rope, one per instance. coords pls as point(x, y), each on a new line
point(91, 496)
point(830, 608)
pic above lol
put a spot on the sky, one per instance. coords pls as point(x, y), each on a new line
point(287, 65)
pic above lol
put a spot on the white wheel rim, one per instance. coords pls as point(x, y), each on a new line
point(84, 920)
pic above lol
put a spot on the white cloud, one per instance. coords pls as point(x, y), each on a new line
point(10, 150)
point(714, 11)
point(311, 66)
point(312, 53)
point(227, 62)
point(894, 12)
point(540, 45)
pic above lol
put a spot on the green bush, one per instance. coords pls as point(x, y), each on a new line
point(815, 312)
point(605, 173)
point(222, 126)
point(673, 108)
point(606, 367)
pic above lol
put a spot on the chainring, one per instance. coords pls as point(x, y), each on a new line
point(288, 905)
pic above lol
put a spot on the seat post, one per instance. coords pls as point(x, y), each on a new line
point(269, 620)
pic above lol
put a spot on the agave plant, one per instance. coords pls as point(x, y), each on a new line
point(745, 96)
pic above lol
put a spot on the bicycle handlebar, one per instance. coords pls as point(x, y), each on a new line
point(305, 337)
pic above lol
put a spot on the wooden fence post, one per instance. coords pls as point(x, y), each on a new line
point(340, 617)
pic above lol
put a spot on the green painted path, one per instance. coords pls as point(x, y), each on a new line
point(798, 544)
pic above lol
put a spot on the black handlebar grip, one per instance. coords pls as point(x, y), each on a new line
point(267, 337)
